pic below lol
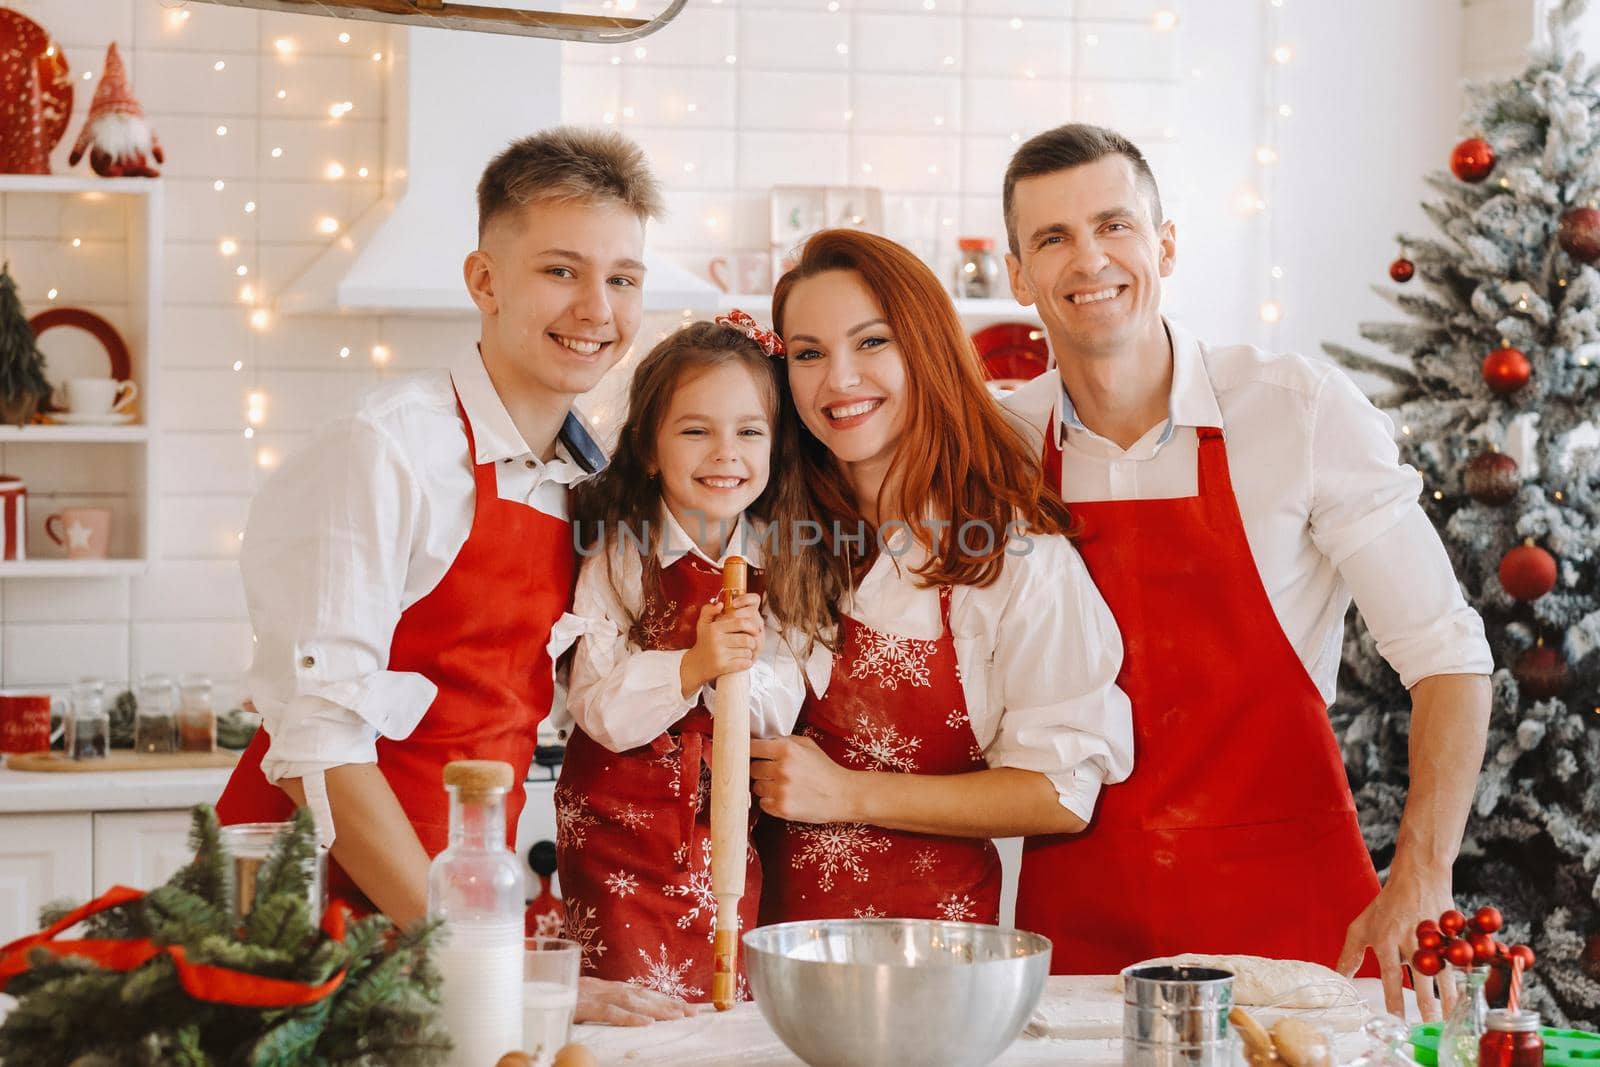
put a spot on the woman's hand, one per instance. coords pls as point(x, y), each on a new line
point(621, 1004)
point(725, 642)
point(795, 780)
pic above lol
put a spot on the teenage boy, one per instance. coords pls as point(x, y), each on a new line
point(404, 570)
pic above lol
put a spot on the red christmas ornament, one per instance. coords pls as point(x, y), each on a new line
point(1579, 234)
point(1482, 948)
point(1452, 922)
point(1472, 159)
point(1527, 572)
point(1488, 920)
point(1492, 478)
point(1458, 953)
point(1402, 270)
point(1525, 954)
point(1541, 672)
point(1430, 938)
point(1427, 961)
point(1506, 370)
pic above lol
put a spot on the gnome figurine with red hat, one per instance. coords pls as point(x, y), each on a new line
point(116, 135)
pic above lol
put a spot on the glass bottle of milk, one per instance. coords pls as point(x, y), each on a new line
point(476, 886)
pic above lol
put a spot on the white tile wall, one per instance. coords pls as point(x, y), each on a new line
point(931, 94)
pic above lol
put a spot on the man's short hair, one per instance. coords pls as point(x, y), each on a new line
point(1065, 147)
point(568, 163)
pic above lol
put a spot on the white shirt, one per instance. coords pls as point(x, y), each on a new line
point(624, 696)
point(358, 525)
point(1328, 509)
point(1038, 653)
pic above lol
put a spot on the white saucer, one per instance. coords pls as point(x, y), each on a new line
point(111, 418)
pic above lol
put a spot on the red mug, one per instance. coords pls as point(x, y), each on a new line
point(24, 724)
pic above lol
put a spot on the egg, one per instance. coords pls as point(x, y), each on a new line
point(574, 1056)
point(514, 1059)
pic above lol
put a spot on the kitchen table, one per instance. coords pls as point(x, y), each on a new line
point(1088, 1008)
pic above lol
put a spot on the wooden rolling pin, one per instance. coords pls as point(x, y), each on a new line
point(730, 804)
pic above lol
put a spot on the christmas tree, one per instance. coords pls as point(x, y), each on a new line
point(22, 383)
point(1496, 402)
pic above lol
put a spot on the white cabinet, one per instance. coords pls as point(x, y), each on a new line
point(94, 244)
point(42, 858)
point(141, 849)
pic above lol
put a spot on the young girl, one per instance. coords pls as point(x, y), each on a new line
point(687, 487)
point(973, 688)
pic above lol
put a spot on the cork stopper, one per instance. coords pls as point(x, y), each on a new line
point(478, 779)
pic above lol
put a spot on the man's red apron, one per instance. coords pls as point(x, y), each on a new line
point(893, 704)
point(1236, 832)
point(479, 636)
point(633, 829)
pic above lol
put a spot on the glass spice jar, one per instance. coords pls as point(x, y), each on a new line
point(977, 269)
point(155, 724)
point(197, 720)
point(88, 723)
point(1511, 1039)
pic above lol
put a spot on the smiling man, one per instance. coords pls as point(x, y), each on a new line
point(404, 569)
point(1232, 501)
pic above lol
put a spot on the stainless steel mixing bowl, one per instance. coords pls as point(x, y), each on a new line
point(871, 992)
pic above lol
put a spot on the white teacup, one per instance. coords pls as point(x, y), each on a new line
point(99, 396)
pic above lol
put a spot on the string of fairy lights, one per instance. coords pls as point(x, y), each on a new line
point(243, 258)
point(239, 249)
point(1260, 196)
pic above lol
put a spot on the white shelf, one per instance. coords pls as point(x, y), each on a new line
point(69, 183)
point(73, 568)
point(997, 309)
point(90, 435)
point(123, 216)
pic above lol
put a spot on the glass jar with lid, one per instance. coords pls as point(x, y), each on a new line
point(197, 720)
point(977, 269)
point(155, 724)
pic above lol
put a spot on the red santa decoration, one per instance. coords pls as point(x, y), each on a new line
point(118, 139)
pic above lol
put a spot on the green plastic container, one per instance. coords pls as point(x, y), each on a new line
point(1562, 1048)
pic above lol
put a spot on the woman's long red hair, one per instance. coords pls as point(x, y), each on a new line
point(958, 459)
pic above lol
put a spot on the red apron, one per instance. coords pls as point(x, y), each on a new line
point(479, 636)
point(633, 829)
point(1236, 832)
point(893, 704)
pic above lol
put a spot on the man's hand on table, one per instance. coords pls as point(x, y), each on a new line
point(1388, 926)
point(621, 1004)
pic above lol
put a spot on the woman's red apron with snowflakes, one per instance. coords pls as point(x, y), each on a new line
point(893, 704)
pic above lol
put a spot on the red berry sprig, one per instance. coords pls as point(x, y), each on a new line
point(1458, 941)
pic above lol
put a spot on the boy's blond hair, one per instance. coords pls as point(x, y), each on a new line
point(568, 163)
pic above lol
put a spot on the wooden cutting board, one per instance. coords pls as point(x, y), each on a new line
point(122, 761)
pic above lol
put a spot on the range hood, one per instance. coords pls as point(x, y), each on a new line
point(455, 100)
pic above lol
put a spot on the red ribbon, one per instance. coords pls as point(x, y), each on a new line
point(202, 981)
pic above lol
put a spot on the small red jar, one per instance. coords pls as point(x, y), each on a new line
point(1511, 1039)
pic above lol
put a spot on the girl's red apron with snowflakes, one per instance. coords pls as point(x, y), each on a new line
point(893, 704)
point(1238, 811)
point(512, 576)
point(633, 829)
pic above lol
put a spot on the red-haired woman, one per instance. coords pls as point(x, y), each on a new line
point(973, 691)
